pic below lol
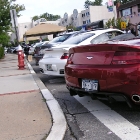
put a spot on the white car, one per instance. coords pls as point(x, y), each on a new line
point(55, 58)
point(32, 48)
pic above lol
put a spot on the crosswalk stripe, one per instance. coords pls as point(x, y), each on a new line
point(111, 119)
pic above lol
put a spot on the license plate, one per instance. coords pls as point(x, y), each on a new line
point(90, 85)
point(49, 67)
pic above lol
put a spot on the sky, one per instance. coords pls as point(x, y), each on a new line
point(55, 7)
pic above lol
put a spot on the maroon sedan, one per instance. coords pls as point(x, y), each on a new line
point(105, 70)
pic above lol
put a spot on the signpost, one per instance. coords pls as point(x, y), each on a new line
point(14, 21)
point(123, 25)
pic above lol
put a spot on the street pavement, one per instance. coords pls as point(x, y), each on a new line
point(28, 109)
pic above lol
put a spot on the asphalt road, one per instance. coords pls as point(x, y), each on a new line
point(89, 119)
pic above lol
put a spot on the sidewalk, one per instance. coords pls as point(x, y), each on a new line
point(25, 114)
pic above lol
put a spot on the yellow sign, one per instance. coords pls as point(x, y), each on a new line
point(123, 25)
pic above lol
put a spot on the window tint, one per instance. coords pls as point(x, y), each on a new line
point(43, 47)
point(100, 39)
point(123, 37)
point(60, 38)
point(113, 34)
point(78, 39)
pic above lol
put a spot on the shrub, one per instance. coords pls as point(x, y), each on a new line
point(1, 52)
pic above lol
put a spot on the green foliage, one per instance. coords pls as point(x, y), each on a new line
point(5, 19)
point(18, 8)
point(115, 23)
point(45, 39)
point(47, 16)
point(35, 18)
point(94, 3)
point(4, 39)
point(1, 52)
point(71, 27)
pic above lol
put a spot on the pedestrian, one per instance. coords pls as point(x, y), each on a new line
point(133, 31)
point(26, 51)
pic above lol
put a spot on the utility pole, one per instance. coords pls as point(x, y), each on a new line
point(15, 25)
point(14, 22)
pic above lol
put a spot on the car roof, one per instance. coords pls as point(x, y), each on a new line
point(99, 31)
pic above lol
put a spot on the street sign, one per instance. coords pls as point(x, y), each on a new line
point(123, 25)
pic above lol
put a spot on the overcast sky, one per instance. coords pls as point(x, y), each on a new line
point(55, 7)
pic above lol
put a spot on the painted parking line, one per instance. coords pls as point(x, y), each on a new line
point(111, 119)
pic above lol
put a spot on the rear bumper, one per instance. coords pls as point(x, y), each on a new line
point(37, 58)
point(56, 67)
point(123, 81)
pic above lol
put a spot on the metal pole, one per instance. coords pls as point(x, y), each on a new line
point(15, 26)
point(114, 12)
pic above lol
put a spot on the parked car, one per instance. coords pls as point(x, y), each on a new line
point(55, 58)
point(12, 50)
point(60, 39)
point(56, 41)
point(105, 70)
point(5, 50)
point(32, 47)
point(37, 54)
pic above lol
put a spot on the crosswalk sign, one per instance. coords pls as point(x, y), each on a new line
point(123, 25)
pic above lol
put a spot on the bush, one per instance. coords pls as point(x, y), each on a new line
point(1, 52)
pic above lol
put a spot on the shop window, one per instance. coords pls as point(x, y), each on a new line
point(84, 22)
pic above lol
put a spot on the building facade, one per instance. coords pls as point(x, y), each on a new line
point(87, 16)
point(130, 12)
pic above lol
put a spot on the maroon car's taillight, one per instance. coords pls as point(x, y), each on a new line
point(122, 58)
point(69, 60)
point(65, 56)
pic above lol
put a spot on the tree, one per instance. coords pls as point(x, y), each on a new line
point(35, 18)
point(5, 19)
point(115, 23)
point(18, 8)
point(90, 3)
point(47, 16)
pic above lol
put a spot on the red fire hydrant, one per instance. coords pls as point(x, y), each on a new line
point(20, 58)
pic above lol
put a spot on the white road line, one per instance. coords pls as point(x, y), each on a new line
point(111, 119)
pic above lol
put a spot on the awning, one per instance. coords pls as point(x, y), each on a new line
point(44, 29)
point(30, 38)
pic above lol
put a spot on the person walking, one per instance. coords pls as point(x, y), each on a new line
point(26, 51)
point(133, 31)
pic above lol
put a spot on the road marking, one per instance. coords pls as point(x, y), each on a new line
point(111, 119)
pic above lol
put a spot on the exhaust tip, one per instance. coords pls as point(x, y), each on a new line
point(136, 98)
point(72, 92)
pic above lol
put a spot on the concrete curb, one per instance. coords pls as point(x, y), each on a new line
point(59, 125)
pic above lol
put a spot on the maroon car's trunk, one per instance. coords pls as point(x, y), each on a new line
point(102, 54)
point(110, 64)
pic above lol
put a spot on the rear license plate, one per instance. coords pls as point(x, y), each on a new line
point(90, 85)
point(49, 67)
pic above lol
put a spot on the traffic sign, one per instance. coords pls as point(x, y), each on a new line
point(123, 25)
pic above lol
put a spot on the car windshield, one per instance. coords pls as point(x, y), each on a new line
point(60, 38)
point(78, 38)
